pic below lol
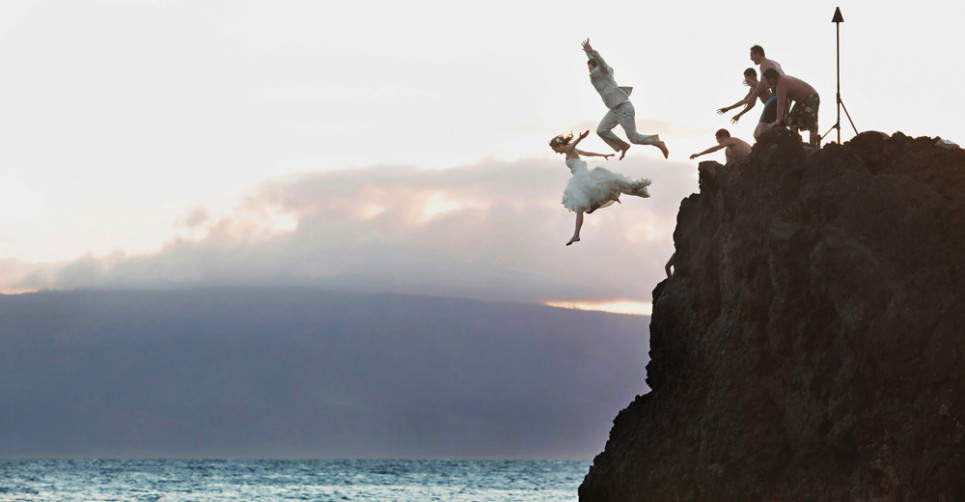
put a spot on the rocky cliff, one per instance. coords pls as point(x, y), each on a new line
point(811, 344)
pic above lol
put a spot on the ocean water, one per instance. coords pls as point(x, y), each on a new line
point(281, 480)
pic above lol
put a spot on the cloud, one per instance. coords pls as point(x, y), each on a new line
point(194, 218)
point(17, 276)
point(493, 230)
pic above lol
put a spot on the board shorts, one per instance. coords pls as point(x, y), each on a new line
point(770, 109)
point(804, 114)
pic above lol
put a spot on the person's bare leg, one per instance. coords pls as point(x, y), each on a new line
point(759, 129)
point(579, 225)
point(662, 146)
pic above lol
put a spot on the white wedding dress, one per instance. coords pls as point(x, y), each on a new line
point(589, 190)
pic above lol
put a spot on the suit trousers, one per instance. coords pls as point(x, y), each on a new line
point(624, 115)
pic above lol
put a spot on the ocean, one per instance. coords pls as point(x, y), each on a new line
point(93, 480)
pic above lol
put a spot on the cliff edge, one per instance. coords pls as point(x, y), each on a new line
point(811, 344)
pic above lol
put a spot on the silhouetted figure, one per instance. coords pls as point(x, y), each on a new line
point(804, 114)
point(770, 107)
point(762, 93)
point(734, 148)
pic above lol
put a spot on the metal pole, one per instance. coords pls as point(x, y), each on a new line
point(837, 34)
point(837, 20)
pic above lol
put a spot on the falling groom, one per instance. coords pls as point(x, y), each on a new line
point(617, 99)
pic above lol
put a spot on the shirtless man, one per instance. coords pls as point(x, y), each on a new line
point(804, 114)
point(770, 107)
point(750, 80)
point(734, 148)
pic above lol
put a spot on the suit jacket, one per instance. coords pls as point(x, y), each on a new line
point(602, 79)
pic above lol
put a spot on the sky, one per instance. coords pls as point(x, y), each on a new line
point(401, 146)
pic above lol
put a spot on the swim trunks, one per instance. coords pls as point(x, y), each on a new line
point(770, 109)
point(804, 114)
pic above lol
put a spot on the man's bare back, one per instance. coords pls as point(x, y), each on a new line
point(793, 88)
point(735, 148)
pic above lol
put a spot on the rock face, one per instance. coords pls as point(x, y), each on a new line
point(811, 344)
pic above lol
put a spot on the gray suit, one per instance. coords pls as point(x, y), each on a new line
point(617, 99)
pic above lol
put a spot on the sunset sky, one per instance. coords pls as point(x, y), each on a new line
point(401, 146)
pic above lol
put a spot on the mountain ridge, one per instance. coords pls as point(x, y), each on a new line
point(300, 372)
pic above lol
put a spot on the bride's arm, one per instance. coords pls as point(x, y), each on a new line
point(594, 154)
point(571, 148)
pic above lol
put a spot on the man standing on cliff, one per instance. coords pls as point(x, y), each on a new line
point(770, 107)
point(753, 94)
point(804, 114)
point(617, 99)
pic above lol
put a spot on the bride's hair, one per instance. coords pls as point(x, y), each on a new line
point(561, 140)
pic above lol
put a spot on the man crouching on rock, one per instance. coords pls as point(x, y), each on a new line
point(804, 114)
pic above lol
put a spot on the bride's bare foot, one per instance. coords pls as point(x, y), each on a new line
point(623, 152)
point(663, 148)
point(574, 239)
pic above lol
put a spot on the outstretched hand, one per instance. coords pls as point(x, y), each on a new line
point(721, 111)
point(584, 134)
point(693, 156)
point(586, 45)
point(735, 119)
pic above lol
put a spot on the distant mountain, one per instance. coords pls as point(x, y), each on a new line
point(810, 345)
point(308, 373)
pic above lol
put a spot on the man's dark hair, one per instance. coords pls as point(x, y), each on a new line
point(771, 73)
point(722, 132)
point(757, 49)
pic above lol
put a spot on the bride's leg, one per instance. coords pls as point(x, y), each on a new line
point(579, 225)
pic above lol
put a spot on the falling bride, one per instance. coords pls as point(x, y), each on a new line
point(589, 190)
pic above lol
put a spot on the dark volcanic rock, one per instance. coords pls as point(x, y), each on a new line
point(811, 345)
